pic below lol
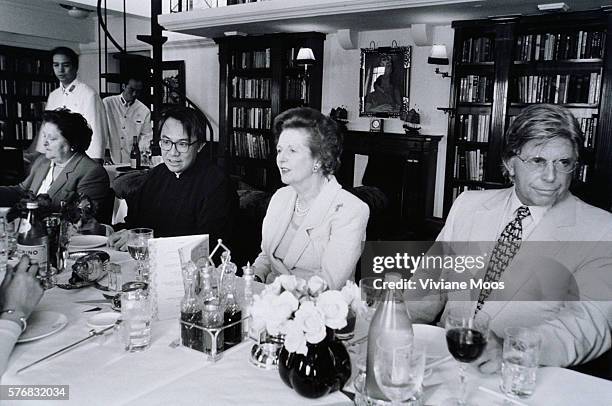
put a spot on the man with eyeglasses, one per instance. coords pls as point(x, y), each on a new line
point(188, 194)
point(550, 250)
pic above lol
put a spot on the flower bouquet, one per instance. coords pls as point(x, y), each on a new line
point(307, 313)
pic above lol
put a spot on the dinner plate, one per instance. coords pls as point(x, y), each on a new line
point(81, 242)
point(42, 324)
point(103, 320)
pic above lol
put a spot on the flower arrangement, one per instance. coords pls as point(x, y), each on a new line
point(303, 310)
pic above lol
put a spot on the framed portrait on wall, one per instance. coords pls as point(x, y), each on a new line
point(384, 88)
point(173, 78)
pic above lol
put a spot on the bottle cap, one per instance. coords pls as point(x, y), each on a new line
point(31, 205)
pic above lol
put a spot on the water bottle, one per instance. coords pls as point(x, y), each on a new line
point(391, 318)
point(32, 238)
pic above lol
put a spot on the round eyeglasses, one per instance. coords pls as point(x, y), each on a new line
point(181, 146)
point(537, 163)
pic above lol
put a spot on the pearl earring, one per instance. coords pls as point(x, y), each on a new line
point(315, 168)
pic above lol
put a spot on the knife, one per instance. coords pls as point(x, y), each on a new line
point(92, 333)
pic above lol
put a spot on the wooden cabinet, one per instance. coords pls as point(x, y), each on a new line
point(404, 168)
point(259, 79)
point(26, 79)
point(502, 65)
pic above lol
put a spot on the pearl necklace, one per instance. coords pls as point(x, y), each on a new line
point(299, 210)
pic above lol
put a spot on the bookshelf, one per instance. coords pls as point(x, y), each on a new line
point(258, 80)
point(501, 65)
point(26, 79)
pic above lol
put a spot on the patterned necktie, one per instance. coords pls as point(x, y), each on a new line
point(506, 248)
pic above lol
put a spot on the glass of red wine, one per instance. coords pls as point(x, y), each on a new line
point(466, 337)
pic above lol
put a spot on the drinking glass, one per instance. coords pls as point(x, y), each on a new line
point(136, 315)
point(520, 359)
point(138, 247)
point(466, 337)
point(371, 296)
point(399, 365)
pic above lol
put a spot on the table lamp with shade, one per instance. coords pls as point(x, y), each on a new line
point(305, 58)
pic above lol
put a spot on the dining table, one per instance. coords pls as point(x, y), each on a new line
point(100, 372)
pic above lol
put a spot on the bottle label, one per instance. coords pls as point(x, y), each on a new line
point(133, 163)
point(37, 253)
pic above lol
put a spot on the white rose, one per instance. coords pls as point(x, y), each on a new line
point(288, 282)
point(350, 292)
point(273, 288)
point(311, 321)
point(334, 308)
point(301, 287)
point(295, 340)
point(286, 304)
point(261, 311)
point(316, 285)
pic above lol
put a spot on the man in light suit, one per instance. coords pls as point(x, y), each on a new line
point(540, 156)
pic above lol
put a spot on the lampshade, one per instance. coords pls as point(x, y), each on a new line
point(305, 57)
point(76, 12)
point(438, 55)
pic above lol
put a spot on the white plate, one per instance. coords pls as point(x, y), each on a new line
point(103, 320)
point(80, 242)
point(433, 338)
point(42, 324)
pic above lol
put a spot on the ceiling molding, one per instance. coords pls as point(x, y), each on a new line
point(348, 39)
point(422, 34)
point(286, 10)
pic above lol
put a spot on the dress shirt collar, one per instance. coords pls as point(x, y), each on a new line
point(62, 166)
point(124, 102)
point(537, 212)
point(70, 88)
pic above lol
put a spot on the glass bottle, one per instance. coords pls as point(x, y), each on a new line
point(212, 318)
point(391, 318)
point(156, 158)
point(135, 154)
point(207, 293)
point(32, 238)
point(228, 269)
point(232, 313)
point(248, 276)
point(191, 311)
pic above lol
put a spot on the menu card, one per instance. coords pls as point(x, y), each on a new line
point(165, 270)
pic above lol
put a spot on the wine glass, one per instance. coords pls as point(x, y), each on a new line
point(466, 337)
point(138, 247)
point(399, 365)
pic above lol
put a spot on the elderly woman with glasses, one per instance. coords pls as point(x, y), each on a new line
point(188, 194)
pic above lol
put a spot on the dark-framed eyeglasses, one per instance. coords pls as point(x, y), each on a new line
point(537, 163)
point(181, 146)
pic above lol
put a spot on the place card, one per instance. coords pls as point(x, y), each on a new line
point(165, 270)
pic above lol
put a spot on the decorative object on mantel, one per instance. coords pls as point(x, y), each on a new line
point(376, 125)
point(438, 56)
point(384, 87)
point(340, 116)
point(312, 361)
point(411, 119)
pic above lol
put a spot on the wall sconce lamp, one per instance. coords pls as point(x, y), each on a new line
point(438, 57)
point(305, 57)
point(76, 12)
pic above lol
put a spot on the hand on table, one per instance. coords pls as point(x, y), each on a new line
point(491, 359)
point(20, 289)
point(118, 240)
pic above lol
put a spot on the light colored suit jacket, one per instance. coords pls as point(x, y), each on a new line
point(328, 243)
point(574, 234)
point(80, 175)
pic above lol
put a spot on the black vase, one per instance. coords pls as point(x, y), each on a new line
point(325, 368)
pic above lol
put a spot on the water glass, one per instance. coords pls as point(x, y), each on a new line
point(138, 247)
point(520, 359)
point(136, 317)
point(114, 277)
point(399, 366)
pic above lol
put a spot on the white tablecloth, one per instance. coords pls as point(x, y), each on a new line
point(100, 372)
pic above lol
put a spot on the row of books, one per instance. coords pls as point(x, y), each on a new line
point(252, 117)
point(7, 86)
point(245, 88)
point(251, 145)
point(32, 110)
point(251, 59)
point(588, 125)
point(476, 89)
point(474, 127)
point(254, 176)
point(4, 107)
point(457, 190)
point(581, 173)
point(560, 46)
point(25, 130)
point(569, 88)
point(475, 50)
point(40, 66)
point(295, 88)
point(469, 165)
